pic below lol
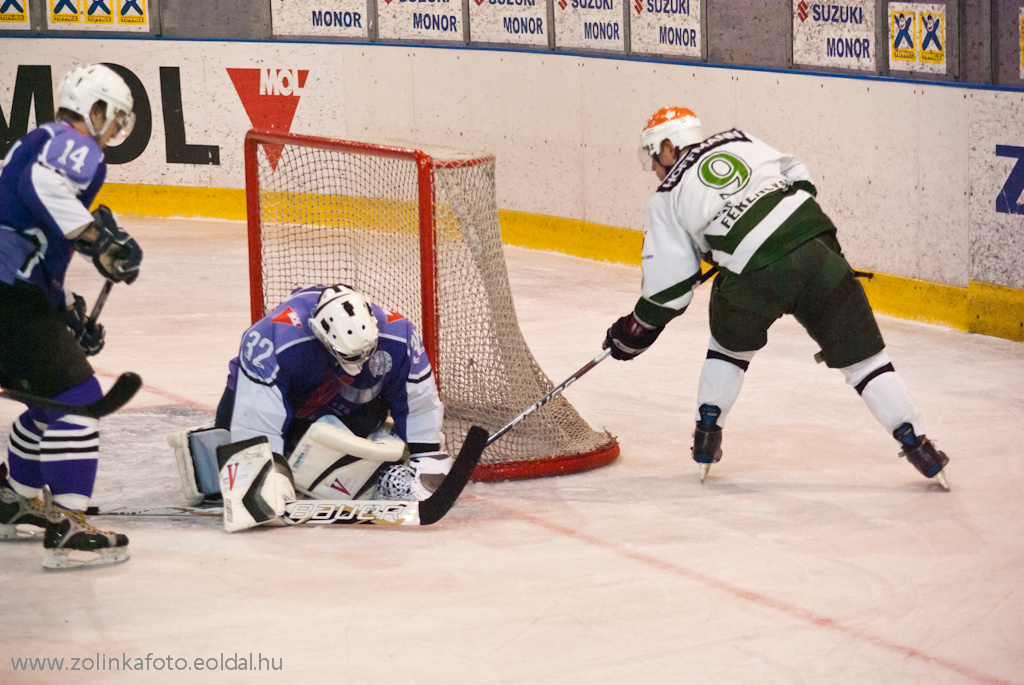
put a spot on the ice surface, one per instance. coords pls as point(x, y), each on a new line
point(811, 555)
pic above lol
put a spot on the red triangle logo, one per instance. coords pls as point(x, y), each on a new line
point(270, 97)
point(288, 316)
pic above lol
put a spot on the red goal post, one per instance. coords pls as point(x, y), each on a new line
point(416, 229)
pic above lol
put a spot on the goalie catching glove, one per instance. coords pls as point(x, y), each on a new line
point(629, 337)
point(115, 254)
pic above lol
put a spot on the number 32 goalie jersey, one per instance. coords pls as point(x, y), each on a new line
point(733, 200)
point(283, 372)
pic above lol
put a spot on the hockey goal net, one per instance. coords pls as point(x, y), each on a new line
point(415, 229)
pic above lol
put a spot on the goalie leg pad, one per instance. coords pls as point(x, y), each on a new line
point(195, 450)
point(255, 482)
point(330, 462)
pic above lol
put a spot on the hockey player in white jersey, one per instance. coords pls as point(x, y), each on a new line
point(336, 398)
point(48, 180)
point(751, 211)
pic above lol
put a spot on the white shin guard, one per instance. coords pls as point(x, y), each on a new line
point(884, 392)
point(721, 379)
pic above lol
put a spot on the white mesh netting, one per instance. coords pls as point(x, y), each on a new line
point(332, 214)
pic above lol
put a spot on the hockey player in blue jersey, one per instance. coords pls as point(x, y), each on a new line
point(337, 394)
point(48, 180)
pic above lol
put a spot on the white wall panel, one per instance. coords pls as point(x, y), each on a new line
point(907, 170)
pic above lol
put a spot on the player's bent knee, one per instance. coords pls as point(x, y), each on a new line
point(863, 372)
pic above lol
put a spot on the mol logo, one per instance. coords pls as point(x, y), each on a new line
point(270, 98)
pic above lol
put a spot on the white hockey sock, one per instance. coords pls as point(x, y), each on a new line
point(884, 392)
point(23, 456)
point(721, 378)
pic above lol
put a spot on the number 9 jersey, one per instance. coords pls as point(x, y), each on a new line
point(732, 200)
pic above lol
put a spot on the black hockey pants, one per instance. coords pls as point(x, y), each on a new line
point(816, 285)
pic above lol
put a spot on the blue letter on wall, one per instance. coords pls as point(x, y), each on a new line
point(1006, 201)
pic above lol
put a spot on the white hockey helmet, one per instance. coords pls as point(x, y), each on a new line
point(83, 87)
point(677, 124)
point(344, 322)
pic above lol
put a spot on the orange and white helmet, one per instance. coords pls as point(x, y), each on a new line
point(677, 124)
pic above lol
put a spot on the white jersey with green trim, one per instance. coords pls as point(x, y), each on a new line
point(733, 200)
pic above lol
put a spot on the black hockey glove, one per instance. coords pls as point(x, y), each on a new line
point(90, 337)
point(628, 338)
point(115, 254)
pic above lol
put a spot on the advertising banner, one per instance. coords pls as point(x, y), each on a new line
point(326, 18)
point(666, 27)
point(917, 37)
point(515, 22)
point(194, 101)
point(590, 25)
point(15, 14)
point(833, 35)
point(98, 15)
point(433, 20)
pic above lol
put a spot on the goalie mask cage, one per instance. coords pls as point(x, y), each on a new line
point(416, 230)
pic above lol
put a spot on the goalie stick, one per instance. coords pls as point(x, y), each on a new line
point(384, 512)
point(364, 512)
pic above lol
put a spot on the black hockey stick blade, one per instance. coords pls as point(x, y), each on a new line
point(124, 388)
point(437, 505)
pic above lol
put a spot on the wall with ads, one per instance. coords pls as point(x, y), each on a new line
point(924, 179)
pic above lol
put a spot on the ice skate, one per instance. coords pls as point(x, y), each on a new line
point(72, 543)
point(921, 452)
point(21, 519)
point(707, 440)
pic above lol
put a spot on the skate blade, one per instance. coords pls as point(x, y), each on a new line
point(72, 559)
point(20, 533)
point(704, 468)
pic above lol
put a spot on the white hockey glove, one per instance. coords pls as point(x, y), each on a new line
point(256, 484)
point(430, 468)
point(416, 480)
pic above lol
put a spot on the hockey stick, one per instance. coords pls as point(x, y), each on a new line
point(384, 512)
point(437, 505)
point(101, 300)
point(124, 388)
point(547, 398)
point(364, 512)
